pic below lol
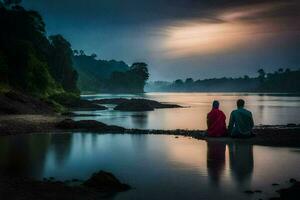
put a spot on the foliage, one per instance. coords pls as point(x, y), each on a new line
point(61, 64)
point(109, 76)
point(65, 98)
point(279, 81)
point(132, 81)
point(27, 58)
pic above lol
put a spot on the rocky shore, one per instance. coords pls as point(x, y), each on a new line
point(101, 185)
point(281, 135)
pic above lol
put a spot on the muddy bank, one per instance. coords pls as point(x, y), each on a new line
point(284, 135)
point(101, 185)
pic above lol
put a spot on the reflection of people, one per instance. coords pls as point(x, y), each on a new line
point(241, 161)
point(215, 160)
point(216, 125)
point(241, 121)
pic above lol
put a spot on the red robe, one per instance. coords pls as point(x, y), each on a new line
point(216, 125)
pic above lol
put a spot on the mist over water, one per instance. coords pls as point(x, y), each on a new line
point(267, 109)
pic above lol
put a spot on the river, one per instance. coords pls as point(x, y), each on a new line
point(267, 109)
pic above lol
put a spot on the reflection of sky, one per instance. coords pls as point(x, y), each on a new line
point(157, 165)
point(269, 109)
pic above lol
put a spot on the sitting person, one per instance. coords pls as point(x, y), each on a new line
point(216, 125)
point(241, 121)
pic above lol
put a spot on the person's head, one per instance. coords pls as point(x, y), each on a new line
point(215, 104)
point(240, 103)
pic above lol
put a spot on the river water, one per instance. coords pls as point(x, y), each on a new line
point(161, 166)
point(156, 166)
point(267, 109)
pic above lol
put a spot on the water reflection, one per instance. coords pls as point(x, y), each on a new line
point(154, 164)
point(215, 160)
point(241, 162)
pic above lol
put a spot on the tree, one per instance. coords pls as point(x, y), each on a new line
point(11, 2)
point(246, 77)
point(189, 81)
point(61, 64)
point(81, 52)
point(178, 82)
point(280, 70)
point(75, 52)
point(94, 56)
point(3, 69)
point(261, 75)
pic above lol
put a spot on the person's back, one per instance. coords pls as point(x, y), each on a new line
point(241, 121)
point(216, 125)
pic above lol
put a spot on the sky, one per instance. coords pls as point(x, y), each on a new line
point(181, 38)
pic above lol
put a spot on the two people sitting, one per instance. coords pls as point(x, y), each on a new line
point(240, 122)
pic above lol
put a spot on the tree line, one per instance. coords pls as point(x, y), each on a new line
point(34, 63)
point(282, 80)
point(29, 60)
point(111, 76)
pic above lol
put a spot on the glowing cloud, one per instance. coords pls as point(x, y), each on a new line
point(232, 28)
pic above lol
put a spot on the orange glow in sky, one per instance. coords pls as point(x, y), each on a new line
point(234, 29)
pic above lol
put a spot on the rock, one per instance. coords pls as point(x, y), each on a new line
point(291, 125)
point(248, 192)
point(142, 105)
point(90, 125)
point(291, 193)
point(74, 102)
point(13, 102)
point(110, 101)
point(134, 106)
point(72, 114)
point(105, 181)
point(292, 180)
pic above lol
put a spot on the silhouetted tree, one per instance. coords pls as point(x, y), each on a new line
point(61, 63)
point(189, 81)
point(261, 75)
point(178, 82)
point(94, 56)
point(81, 52)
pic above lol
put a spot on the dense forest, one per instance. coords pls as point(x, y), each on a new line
point(97, 75)
point(29, 60)
point(41, 65)
point(279, 81)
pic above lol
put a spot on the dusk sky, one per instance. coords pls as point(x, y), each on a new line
point(181, 38)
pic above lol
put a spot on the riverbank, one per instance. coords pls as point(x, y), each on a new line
point(101, 185)
point(281, 135)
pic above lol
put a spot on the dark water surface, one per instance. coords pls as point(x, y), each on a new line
point(157, 166)
point(267, 109)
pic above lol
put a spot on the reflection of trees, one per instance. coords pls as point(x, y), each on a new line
point(24, 155)
point(140, 119)
point(61, 145)
point(215, 160)
point(241, 162)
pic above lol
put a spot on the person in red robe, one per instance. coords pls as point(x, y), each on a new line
point(216, 125)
